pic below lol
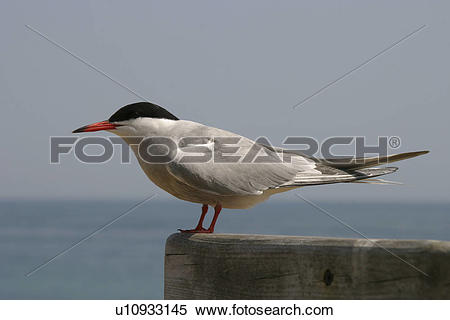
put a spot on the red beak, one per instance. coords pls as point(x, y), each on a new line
point(102, 125)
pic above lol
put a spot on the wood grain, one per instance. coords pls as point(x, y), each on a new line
point(238, 266)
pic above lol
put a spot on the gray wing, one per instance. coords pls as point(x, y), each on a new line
point(222, 176)
point(326, 172)
point(247, 176)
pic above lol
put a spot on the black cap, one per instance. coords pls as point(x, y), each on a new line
point(141, 110)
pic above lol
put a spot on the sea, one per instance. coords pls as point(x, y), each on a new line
point(78, 249)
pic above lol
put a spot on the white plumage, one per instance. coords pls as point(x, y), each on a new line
point(229, 184)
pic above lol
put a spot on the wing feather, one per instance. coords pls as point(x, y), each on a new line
point(228, 178)
point(252, 178)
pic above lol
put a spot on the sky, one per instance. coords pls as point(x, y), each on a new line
point(236, 65)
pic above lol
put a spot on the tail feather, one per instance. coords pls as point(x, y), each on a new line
point(377, 181)
point(360, 163)
point(353, 170)
point(363, 174)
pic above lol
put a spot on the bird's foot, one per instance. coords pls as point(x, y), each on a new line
point(196, 230)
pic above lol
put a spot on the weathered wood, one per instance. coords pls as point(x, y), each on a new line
point(232, 266)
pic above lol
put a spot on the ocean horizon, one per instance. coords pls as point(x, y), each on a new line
point(125, 260)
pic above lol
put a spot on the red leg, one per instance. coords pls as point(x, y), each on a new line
point(217, 210)
point(199, 227)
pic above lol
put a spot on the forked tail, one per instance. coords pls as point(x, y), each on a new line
point(350, 170)
point(360, 163)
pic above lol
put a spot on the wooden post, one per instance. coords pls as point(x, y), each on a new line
point(236, 266)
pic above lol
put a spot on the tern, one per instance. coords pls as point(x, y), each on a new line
point(228, 183)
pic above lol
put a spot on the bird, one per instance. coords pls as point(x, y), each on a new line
point(218, 180)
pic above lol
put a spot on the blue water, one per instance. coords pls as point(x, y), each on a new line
point(125, 260)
